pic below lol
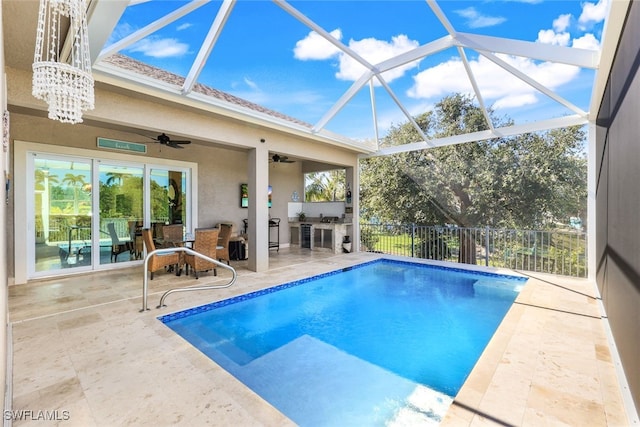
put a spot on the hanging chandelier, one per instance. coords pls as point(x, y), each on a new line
point(62, 74)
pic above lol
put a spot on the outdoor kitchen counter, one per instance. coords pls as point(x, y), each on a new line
point(323, 235)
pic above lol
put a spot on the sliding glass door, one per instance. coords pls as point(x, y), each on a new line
point(169, 198)
point(62, 207)
point(121, 212)
point(89, 213)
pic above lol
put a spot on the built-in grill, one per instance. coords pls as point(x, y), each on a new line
point(329, 219)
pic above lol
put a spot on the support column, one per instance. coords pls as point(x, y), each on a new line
point(591, 202)
point(258, 182)
point(353, 182)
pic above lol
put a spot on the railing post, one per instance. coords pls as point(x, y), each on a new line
point(486, 247)
point(413, 235)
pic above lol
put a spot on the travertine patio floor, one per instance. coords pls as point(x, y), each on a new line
point(82, 348)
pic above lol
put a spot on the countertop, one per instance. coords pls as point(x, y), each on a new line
point(316, 221)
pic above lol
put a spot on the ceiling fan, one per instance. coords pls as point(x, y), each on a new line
point(276, 158)
point(165, 140)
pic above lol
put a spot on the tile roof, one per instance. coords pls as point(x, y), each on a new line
point(129, 64)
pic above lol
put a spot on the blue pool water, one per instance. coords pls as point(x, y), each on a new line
point(383, 342)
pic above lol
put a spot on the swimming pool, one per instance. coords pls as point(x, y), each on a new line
point(381, 342)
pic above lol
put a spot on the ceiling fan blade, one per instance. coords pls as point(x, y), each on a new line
point(153, 138)
point(179, 142)
point(277, 158)
point(173, 144)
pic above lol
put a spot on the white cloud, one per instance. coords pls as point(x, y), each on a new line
point(253, 85)
point(444, 78)
point(375, 51)
point(184, 26)
point(551, 37)
point(588, 41)
point(497, 86)
point(476, 20)
point(160, 48)
point(314, 46)
point(593, 12)
point(561, 23)
point(560, 35)
point(515, 100)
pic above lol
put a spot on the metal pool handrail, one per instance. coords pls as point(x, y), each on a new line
point(145, 282)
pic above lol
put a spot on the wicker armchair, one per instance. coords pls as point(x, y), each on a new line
point(223, 240)
point(172, 235)
point(159, 261)
point(206, 240)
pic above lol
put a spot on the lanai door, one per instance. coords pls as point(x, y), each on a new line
point(62, 211)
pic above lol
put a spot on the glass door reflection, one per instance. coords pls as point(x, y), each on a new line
point(168, 199)
point(121, 212)
point(89, 213)
point(62, 211)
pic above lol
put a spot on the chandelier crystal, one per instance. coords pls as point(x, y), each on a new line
point(62, 73)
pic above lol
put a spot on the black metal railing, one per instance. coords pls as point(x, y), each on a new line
point(562, 252)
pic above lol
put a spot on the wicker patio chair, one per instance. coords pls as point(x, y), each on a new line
point(205, 242)
point(159, 261)
point(172, 235)
point(223, 242)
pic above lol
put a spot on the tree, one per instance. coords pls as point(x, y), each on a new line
point(43, 176)
point(74, 181)
point(121, 196)
point(159, 202)
point(326, 186)
point(116, 178)
point(542, 178)
point(528, 181)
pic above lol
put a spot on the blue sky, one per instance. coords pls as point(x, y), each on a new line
point(266, 56)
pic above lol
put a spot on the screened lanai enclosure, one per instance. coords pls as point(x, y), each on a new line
point(246, 83)
point(375, 80)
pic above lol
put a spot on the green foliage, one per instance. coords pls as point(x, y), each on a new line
point(326, 186)
point(554, 252)
point(433, 247)
point(159, 197)
point(121, 196)
point(368, 238)
point(526, 181)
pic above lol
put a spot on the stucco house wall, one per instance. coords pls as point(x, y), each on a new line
point(618, 200)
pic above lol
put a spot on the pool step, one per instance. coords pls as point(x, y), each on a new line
point(314, 383)
point(497, 287)
point(422, 399)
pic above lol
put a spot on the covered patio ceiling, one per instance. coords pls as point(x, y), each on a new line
point(113, 65)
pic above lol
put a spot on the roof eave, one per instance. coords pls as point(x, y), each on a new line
point(114, 76)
